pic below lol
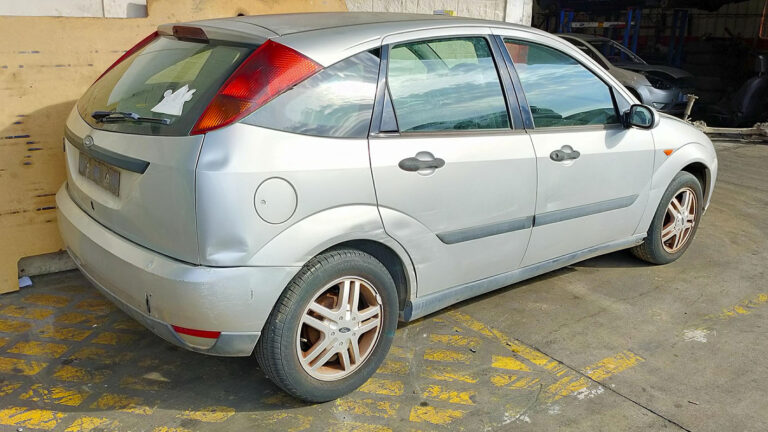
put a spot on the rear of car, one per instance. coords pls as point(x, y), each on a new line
point(158, 206)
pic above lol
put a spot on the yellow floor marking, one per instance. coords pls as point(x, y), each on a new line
point(3, 341)
point(77, 318)
point(456, 340)
point(87, 424)
point(169, 429)
point(564, 387)
point(141, 383)
point(451, 396)
point(444, 373)
point(401, 352)
point(25, 312)
point(299, 422)
point(510, 363)
point(64, 333)
point(532, 355)
point(110, 401)
point(525, 383)
point(438, 416)
point(382, 387)
point(57, 395)
point(447, 355)
point(358, 427)
point(98, 305)
point(14, 326)
point(612, 365)
point(500, 380)
point(46, 300)
point(8, 388)
point(102, 355)
point(283, 400)
point(128, 324)
point(20, 367)
point(394, 367)
point(31, 418)
point(109, 338)
point(76, 374)
point(35, 348)
point(367, 407)
point(743, 308)
point(212, 414)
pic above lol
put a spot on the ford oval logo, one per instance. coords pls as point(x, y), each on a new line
point(344, 330)
point(88, 141)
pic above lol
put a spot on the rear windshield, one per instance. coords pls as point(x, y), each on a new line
point(169, 79)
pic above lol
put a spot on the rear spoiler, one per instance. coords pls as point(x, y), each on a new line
point(223, 30)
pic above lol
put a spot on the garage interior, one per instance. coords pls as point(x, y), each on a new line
point(606, 344)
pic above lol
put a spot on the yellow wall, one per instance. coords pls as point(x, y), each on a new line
point(46, 63)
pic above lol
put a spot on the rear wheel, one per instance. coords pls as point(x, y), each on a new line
point(331, 328)
point(675, 222)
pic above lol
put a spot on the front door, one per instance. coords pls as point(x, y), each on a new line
point(456, 184)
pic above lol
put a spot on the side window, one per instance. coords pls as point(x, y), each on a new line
point(585, 49)
point(560, 91)
point(446, 84)
point(335, 102)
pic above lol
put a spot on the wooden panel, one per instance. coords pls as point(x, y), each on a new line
point(46, 63)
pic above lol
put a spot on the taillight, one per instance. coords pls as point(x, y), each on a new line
point(135, 48)
point(270, 70)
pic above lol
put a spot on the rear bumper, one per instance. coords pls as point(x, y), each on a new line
point(160, 292)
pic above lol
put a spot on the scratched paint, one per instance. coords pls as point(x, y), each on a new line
point(212, 414)
point(382, 387)
point(79, 318)
point(64, 333)
point(434, 415)
point(87, 424)
point(290, 422)
point(97, 305)
point(395, 367)
point(14, 326)
point(7, 388)
point(31, 418)
point(110, 338)
point(358, 427)
point(55, 395)
point(445, 373)
point(35, 348)
point(510, 363)
point(745, 307)
point(367, 407)
point(610, 366)
point(456, 340)
point(130, 404)
point(20, 366)
point(442, 355)
point(78, 374)
point(440, 393)
point(25, 312)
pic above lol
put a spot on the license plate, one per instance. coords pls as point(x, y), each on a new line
point(100, 173)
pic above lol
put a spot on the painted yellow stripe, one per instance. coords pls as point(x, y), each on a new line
point(447, 355)
point(437, 392)
point(525, 383)
point(4, 340)
point(212, 414)
point(444, 373)
point(383, 387)
point(394, 367)
point(57, 395)
point(456, 340)
point(348, 426)
point(14, 326)
point(87, 424)
point(110, 338)
point(8, 388)
point(141, 383)
point(47, 300)
point(500, 380)
point(743, 308)
point(290, 422)
point(367, 407)
point(77, 374)
point(401, 352)
point(110, 401)
point(565, 386)
point(31, 418)
point(25, 312)
point(20, 366)
point(610, 366)
point(35, 348)
point(102, 355)
point(510, 363)
point(437, 416)
point(98, 305)
point(64, 333)
point(532, 355)
point(170, 429)
point(79, 318)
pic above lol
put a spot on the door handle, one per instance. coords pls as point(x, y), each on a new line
point(421, 162)
point(565, 153)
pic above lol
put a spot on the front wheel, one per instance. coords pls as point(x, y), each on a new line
point(331, 328)
point(675, 222)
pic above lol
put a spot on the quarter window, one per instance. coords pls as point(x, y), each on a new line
point(446, 84)
point(560, 91)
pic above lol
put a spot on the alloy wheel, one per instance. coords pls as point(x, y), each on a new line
point(679, 220)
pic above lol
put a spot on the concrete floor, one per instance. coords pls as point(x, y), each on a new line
point(607, 344)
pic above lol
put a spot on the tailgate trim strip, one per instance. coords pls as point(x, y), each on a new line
point(116, 159)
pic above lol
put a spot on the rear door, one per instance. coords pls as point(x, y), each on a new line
point(137, 177)
point(593, 173)
point(455, 181)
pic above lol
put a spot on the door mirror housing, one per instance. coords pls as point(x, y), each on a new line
point(640, 116)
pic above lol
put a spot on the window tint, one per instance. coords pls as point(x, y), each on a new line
point(585, 49)
point(335, 102)
point(559, 90)
point(446, 84)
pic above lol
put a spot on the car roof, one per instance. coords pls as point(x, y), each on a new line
point(328, 37)
point(584, 37)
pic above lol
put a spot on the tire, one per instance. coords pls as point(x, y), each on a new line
point(287, 333)
point(654, 249)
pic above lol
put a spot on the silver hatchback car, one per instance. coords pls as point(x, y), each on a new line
point(291, 186)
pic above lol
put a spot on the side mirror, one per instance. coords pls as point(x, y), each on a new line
point(640, 116)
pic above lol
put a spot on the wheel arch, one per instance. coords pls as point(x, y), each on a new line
point(703, 174)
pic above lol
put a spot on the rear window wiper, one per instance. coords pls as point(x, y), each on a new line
point(107, 116)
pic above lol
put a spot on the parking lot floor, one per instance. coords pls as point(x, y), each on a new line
point(607, 344)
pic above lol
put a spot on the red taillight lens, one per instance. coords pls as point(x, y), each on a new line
point(197, 333)
point(266, 73)
point(135, 48)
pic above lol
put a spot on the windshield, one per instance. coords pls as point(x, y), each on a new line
point(615, 52)
point(161, 89)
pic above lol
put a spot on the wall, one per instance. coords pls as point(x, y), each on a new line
point(514, 11)
point(46, 63)
point(76, 8)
